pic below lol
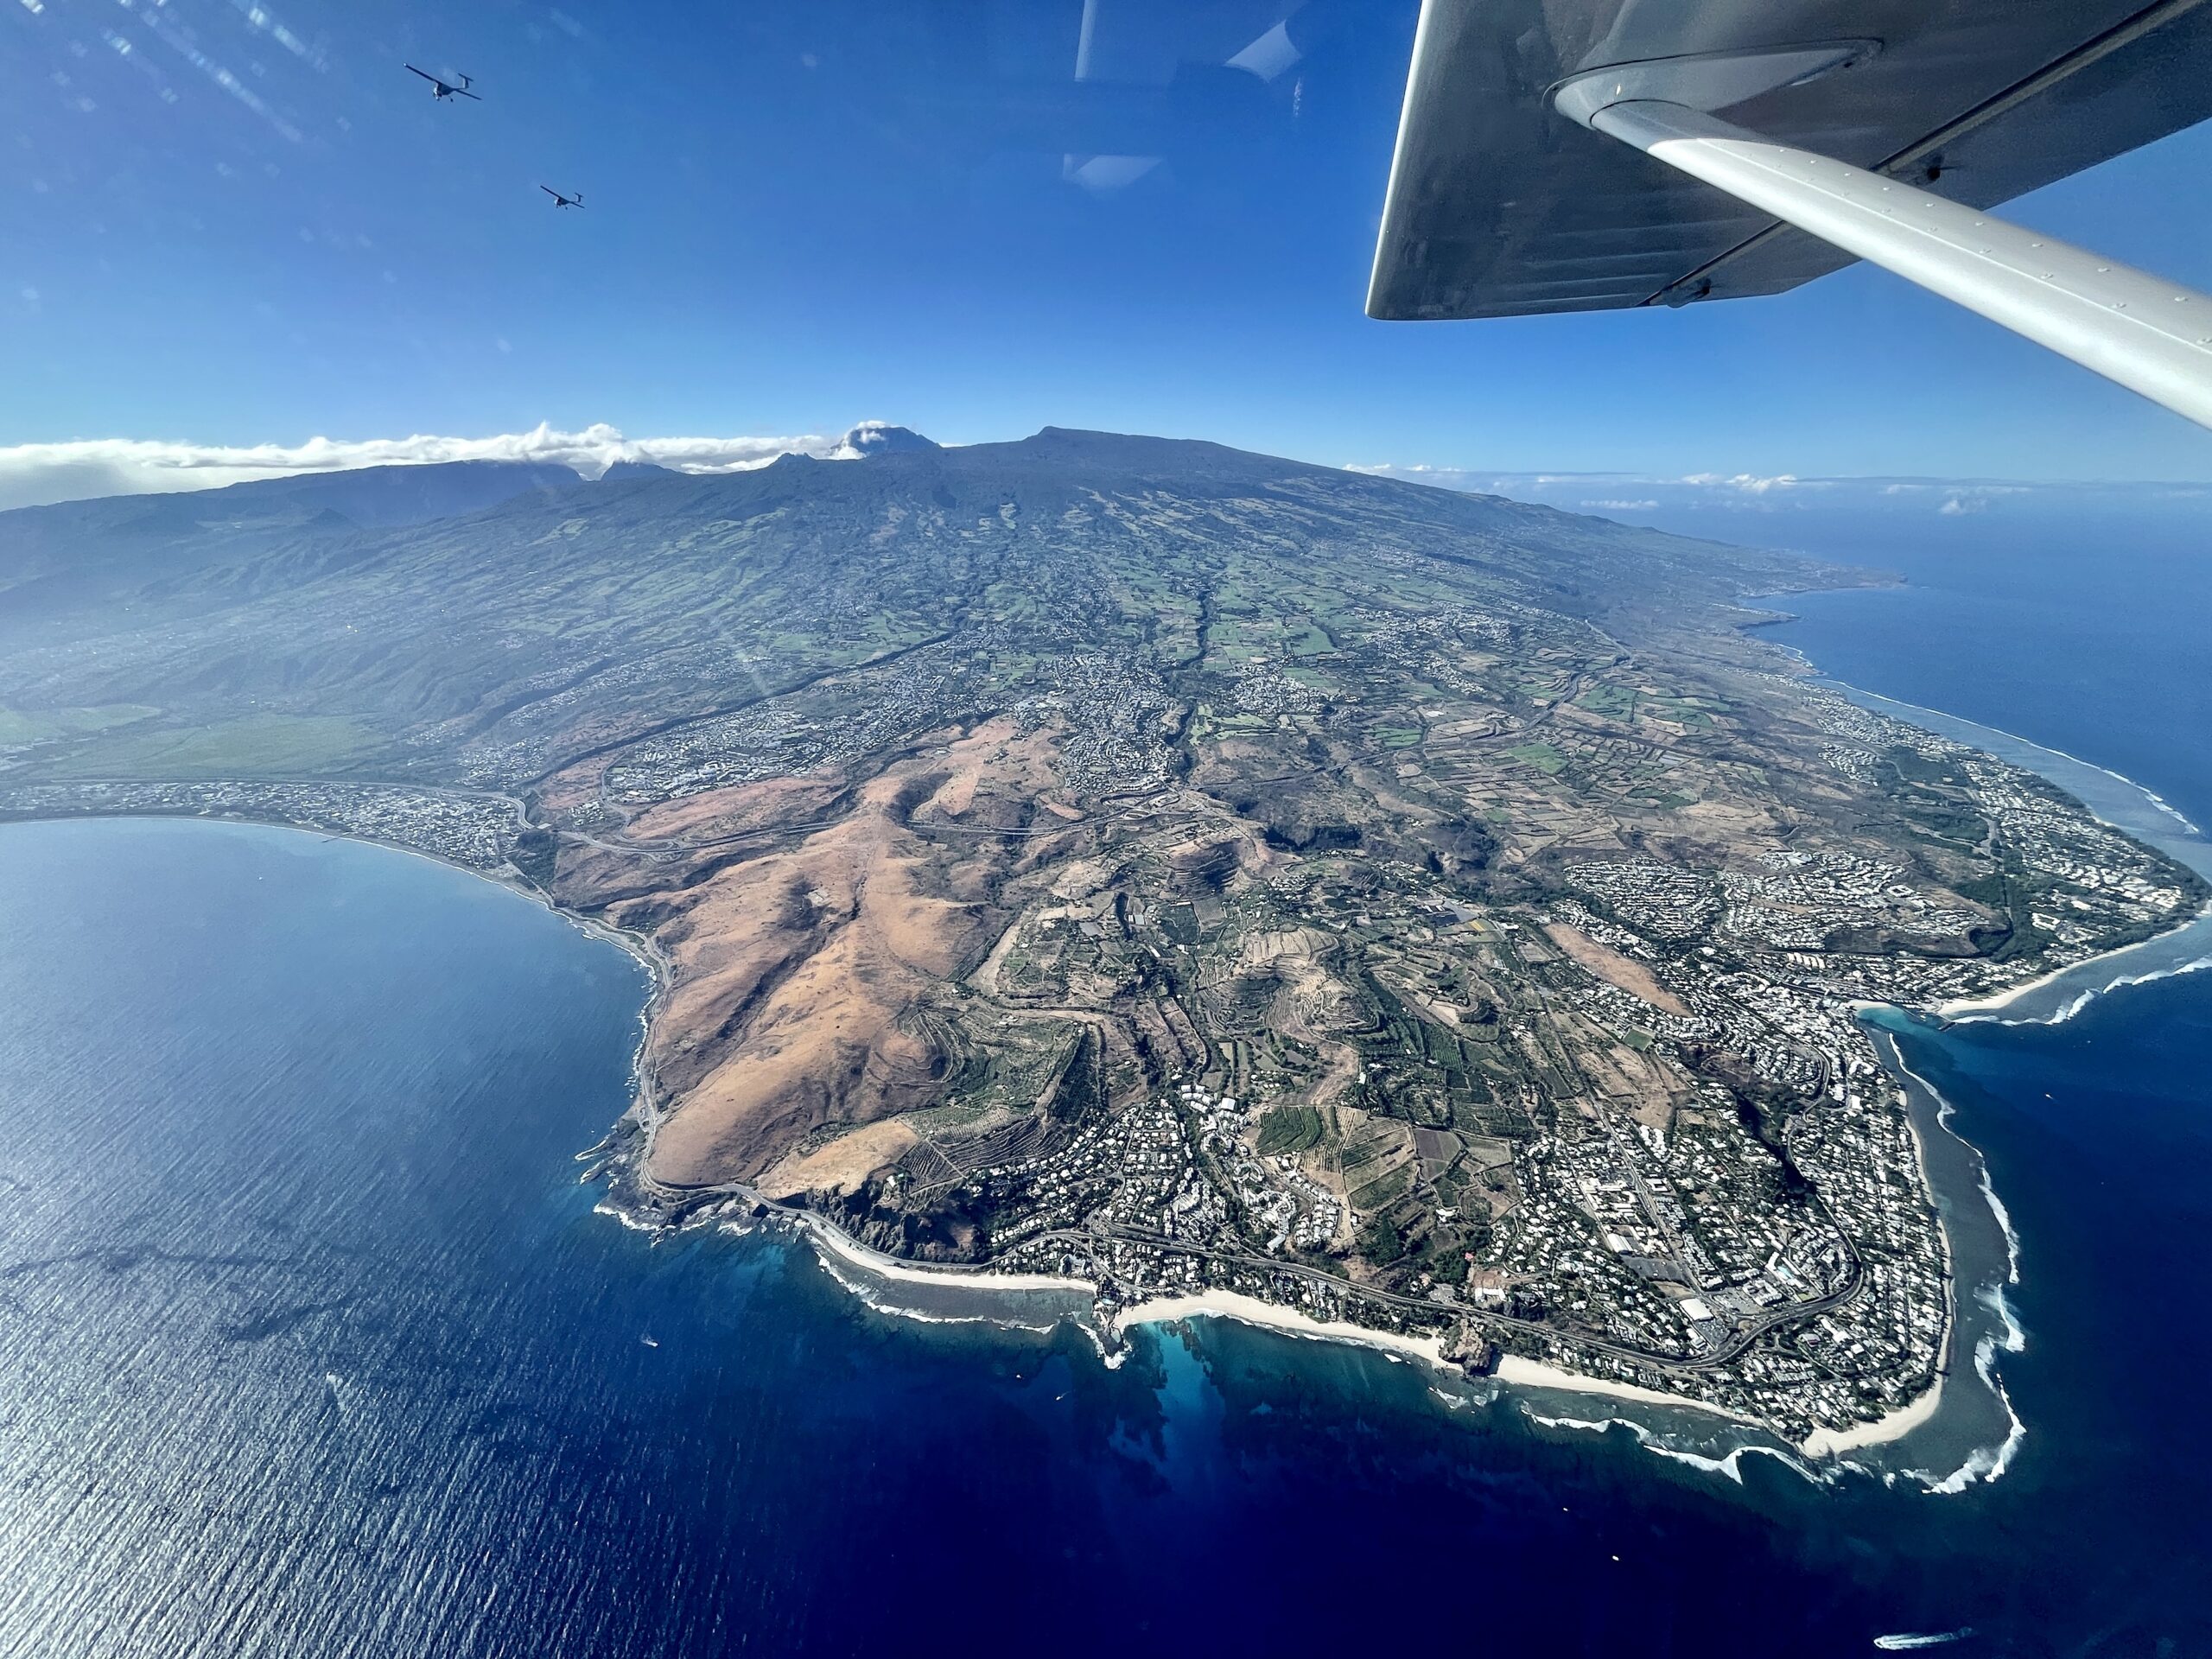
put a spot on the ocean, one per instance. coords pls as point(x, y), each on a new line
point(312, 1343)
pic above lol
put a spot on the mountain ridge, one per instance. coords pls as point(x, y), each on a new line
point(1139, 860)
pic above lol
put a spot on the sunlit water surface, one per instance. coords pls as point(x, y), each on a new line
point(312, 1344)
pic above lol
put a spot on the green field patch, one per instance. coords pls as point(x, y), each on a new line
point(256, 745)
point(1289, 1128)
point(1398, 737)
point(1912, 768)
point(21, 726)
point(1358, 1154)
point(1614, 702)
point(1683, 711)
point(1958, 825)
point(1542, 756)
point(1387, 1189)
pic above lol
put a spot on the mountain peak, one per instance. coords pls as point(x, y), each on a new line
point(880, 438)
point(624, 471)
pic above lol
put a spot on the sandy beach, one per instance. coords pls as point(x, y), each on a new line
point(1970, 1007)
point(1512, 1370)
point(1821, 1443)
point(1967, 1006)
point(1229, 1304)
point(1535, 1374)
point(1827, 1442)
point(857, 1255)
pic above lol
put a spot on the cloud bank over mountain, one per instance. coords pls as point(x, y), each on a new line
point(32, 474)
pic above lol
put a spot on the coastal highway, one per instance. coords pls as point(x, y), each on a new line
point(1743, 1337)
point(1083, 1242)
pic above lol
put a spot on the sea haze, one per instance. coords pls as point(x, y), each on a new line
point(312, 1344)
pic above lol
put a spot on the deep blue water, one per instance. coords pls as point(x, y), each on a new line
point(310, 1343)
point(2085, 626)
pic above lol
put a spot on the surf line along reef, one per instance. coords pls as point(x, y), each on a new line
point(1184, 874)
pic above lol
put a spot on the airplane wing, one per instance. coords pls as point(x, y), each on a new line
point(426, 75)
point(550, 191)
point(1499, 206)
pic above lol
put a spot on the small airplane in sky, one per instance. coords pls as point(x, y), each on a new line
point(560, 201)
point(441, 89)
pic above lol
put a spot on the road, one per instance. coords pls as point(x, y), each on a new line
point(1743, 1338)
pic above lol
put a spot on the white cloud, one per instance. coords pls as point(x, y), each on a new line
point(1622, 506)
point(1747, 483)
point(32, 474)
point(1450, 477)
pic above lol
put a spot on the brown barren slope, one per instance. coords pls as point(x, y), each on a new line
point(1613, 968)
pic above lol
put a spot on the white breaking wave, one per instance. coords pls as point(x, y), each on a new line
point(2156, 800)
point(2074, 1005)
point(1986, 1463)
point(1989, 1463)
point(2011, 1239)
point(1729, 1466)
point(1906, 1640)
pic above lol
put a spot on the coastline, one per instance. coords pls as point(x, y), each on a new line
point(1272, 1316)
point(1981, 1462)
point(2158, 801)
point(1517, 1372)
point(1892, 1425)
point(836, 1247)
point(1966, 1006)
point(835, 1241)
point(1982, 1008)
point(1821, 1442)
point(1982, 1258)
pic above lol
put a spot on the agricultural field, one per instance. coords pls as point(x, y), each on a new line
point(1147, 862)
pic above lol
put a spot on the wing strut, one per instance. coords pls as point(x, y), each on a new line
point(2150, 335)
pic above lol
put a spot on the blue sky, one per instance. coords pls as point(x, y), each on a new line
point(231, 223)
